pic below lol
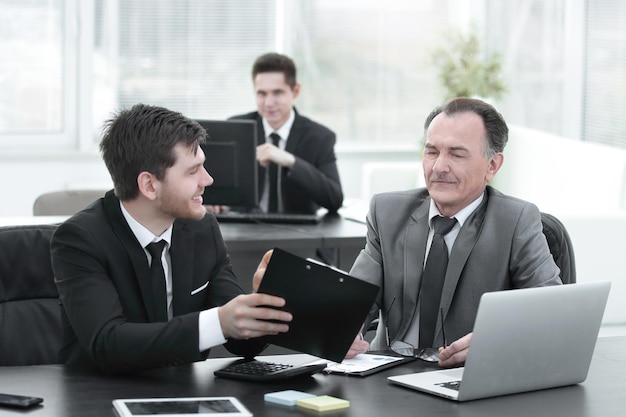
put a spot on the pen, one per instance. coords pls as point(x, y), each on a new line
point(443, 331)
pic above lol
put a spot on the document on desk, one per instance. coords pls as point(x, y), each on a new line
point(366, 364)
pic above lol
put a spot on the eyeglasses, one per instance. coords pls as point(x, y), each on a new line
point(428, 354)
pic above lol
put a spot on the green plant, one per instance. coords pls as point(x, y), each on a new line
point(466, 71)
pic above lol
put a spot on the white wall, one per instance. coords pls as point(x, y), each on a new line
point(23, 178)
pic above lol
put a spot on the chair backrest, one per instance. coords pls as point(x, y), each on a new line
point(30, 312)
point(65, 202)
point(561, 247)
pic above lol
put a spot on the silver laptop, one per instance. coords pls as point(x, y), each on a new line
point(524, 340)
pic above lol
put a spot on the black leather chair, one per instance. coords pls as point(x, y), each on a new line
point(561, 247)
point(30, 314)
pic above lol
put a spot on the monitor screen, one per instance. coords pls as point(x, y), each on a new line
point(230, 152)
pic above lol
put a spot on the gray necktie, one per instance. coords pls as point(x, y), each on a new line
point(432, 280)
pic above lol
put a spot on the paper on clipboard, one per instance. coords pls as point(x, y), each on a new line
point(365, 364)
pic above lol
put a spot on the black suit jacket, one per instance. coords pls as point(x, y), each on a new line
point(313, 181)
point(102, 275)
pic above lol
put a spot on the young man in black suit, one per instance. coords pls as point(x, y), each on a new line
point(305, 154)
point(114, 317)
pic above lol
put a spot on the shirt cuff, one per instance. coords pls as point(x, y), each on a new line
point(210, 330)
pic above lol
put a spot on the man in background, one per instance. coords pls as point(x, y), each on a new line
point(300, 150)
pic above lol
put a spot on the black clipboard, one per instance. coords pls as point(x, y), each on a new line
point(328, 305)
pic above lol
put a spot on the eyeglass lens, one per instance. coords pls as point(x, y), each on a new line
point(406, 349)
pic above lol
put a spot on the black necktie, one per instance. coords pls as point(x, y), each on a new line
point(157, 276)
point(432, 280)
point(273, 174)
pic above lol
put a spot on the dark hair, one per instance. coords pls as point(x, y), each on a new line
point(273, 62)
point(495, 126)
point(143, 139)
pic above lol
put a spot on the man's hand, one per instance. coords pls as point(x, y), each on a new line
point(213, 209)
point(456, 353)
point(358, 346)
point(267, 153)
point(260, 270)
point(247, 316)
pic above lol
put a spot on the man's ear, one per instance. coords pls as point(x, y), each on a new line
point(495, 164)
point(148, 185)
point(296, 90)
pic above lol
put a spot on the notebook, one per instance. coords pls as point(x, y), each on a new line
point(524, 340)
point(328, 305)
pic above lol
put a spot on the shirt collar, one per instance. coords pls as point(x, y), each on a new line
point(143, 235)
point(461, 216)
point(282, 131)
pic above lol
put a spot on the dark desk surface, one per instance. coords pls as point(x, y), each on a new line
point(332, 231)
point(68, 393)
point(247, 242)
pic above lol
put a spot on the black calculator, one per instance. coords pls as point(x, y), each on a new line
point(255, 370)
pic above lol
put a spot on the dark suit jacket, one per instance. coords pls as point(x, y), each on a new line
point(500, 246)
point(102, 275)
point(314, 179)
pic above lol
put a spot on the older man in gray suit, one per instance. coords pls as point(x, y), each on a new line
point(496, 243)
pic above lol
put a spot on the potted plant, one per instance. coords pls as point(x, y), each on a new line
point(464, 70)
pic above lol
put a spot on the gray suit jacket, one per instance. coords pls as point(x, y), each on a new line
point(501, 246)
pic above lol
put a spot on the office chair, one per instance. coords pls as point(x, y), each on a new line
point(65, 202)
point(30, 313)
point(561, 247)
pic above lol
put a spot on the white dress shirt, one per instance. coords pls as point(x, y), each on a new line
point(209, 327)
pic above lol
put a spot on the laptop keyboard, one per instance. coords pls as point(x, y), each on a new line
point(254, 370)
point(258, 217)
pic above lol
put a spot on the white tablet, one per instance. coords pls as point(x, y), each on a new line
point(181, 407)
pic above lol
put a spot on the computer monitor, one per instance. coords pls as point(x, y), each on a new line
point(230, 152)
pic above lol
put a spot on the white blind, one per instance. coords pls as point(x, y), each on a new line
point(604, 115)
point(365, 66)
point(192, 56)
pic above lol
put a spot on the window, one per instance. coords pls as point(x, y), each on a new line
point(604, 106)
point(191, 56)
point(370, 83)
point(530, 36)
point(37, 105)
point(364, 65)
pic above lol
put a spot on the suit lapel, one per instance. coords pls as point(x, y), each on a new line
point(296, 133)
point(134, 250)
point(415, 238)
point(181, 257)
